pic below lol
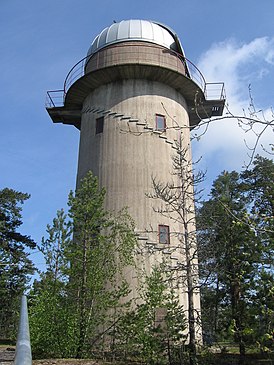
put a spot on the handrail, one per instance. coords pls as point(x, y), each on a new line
point(78, 70)
point(215, 91)
point(23, 348)
point(55, 98)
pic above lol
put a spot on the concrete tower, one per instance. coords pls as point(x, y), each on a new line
point(133, 97)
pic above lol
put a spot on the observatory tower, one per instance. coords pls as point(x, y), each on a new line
point(133, 98)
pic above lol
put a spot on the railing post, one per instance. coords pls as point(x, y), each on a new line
point(23, 348)
point(50, 98)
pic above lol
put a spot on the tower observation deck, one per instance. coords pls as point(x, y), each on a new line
point(135, 49)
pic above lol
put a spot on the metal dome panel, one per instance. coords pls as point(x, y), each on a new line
point(135, 30)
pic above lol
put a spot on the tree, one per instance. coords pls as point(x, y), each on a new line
point(81, 293)
point(54, 247)
point(15, 265)
point(102, 247)
point(153, 332)
point(259, 185)
point(177, 203)
point(51, 319)
point(231, 257)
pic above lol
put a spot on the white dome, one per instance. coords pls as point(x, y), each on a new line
point(136, 30)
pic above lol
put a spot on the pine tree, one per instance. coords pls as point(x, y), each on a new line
point(79, 298)
point(51, 316)
point(259, 185)
point(229, 256)
point(15, 265)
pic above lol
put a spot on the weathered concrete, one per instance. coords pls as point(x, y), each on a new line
point(127, 155)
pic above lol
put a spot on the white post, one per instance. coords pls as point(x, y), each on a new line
point(23, 348)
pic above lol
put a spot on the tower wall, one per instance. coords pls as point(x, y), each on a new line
point(129, 153)
point(126, 156)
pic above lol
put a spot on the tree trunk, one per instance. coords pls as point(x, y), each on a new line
point(190, 293)
point(237, 316)
point(82, 303)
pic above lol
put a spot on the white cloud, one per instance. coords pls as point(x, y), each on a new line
point(235, 63)
point(270, 56)
point(238, 65)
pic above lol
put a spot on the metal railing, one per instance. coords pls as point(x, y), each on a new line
point(23, 348)
point(215, 91)
point(56, 98)
point(77, 71)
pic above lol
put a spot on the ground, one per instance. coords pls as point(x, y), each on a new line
point(66, 362)
point(7, 354)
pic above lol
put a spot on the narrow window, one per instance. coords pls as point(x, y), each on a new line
point(164, 234)
point(160, 122)
point(99, 125)
point(160, 318)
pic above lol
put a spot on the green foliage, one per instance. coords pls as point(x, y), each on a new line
point(51, 318)
point(52, 322)
point(259, 186)
point(154, 330)
point(233, 249)
point(102, 247)
point(86, 255)
point(236, 256)
point(15, 265)
point(53, 248)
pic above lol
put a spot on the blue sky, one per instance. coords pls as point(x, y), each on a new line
point(230, 41)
